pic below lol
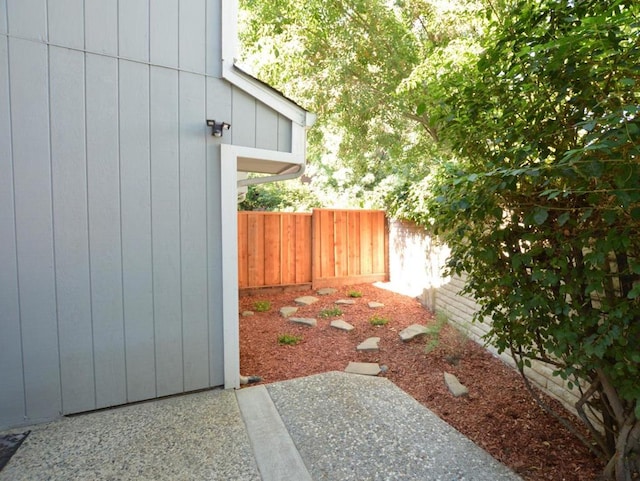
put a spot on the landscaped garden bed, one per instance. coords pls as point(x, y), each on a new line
point(497, 414)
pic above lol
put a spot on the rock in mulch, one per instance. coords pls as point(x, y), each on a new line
point(370, 344)
point(305, 300)
point(287, 311)
point(364, 368)
point(326, 291)
point(375, 305)
point(412, 331)
point(307, 321)
point(455, 387)
point(342, 325)
point(247, 313)
point(345, 302)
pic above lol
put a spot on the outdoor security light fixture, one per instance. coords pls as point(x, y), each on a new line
point(217, 127)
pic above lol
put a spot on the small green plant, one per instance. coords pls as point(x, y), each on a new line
point(378, 321)
point(330, 312)
point(433, 331)
point(261, 306)
point(289, 339)
point(354, 294)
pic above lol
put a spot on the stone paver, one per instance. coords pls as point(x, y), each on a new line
point(455, 387)
point(287, 311)
point(375, 305)
point(345, 302)
point(326, 291)
point(342, 325)
point(247, 313)
point(370, 344)
point(364, 368)
point(412, 331)
point(307, 321)
point(306, 300)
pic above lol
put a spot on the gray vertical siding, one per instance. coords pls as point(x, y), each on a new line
point(110, 246)
point(135, 198)
point(71, 232)
point(12, 389)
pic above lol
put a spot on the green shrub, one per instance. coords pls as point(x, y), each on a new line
point(330, 312)
point(354, 294)
point(289, 339)
point(378, 321)
point(261, 306)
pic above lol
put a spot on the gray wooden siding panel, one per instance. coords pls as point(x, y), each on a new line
point(213, 43)
point(284, 134)
point(66, 23)
point(216, 337)
point(243, 118)
point(136, 230)
point(164, 32)
point(165, 217)
point(266, 127)
point(27, 18)
point(218, 106)
point(192, 32)
point(71, 234)
point(11, 384)
point(3, 16)
point(193, 231)
point(133, 30)
point(104, 229)
point(101, 26)
point(34, 230)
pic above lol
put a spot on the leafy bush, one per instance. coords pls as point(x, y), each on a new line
point(262, 306)
point(289, 339)
point(378, 321)
point(542, 208)
point(354, 294)
point(330, 312)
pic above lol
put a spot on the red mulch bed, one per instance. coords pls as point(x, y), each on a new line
point(498, 414)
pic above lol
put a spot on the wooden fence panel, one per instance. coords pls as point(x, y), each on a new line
point(326, 248)
point(274, 249)
point(303, 248)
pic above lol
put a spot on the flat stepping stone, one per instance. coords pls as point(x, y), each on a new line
point(326, 291)
point(375, 305)
point(287, 311)
point(247, 313)
point(345, 302)
point(342, 325)
point(455, 387)
point(370, 344)
point(412, 331)
point(307, 321)
point(306, 300)
point(363, 368)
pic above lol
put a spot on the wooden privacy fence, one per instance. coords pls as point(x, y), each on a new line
point(324, 248)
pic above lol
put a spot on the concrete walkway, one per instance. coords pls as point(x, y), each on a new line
point(332, 426)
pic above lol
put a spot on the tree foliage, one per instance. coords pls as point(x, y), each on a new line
point(362, 66)
point(542, 210)
point(511, 128)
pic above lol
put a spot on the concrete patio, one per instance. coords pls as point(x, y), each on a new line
point(332, 426)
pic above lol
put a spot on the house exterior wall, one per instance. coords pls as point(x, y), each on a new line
point(111, 201)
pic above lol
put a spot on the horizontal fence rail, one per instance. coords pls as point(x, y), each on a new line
point(327, 247)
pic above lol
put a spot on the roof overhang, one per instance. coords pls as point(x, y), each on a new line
point(280, 165)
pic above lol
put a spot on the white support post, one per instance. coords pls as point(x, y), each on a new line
point(229, 217)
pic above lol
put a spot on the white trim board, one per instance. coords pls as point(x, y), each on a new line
point(244, 81)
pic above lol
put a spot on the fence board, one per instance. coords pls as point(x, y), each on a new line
point(272, 243)
point(303, 248)
point(325, 248)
